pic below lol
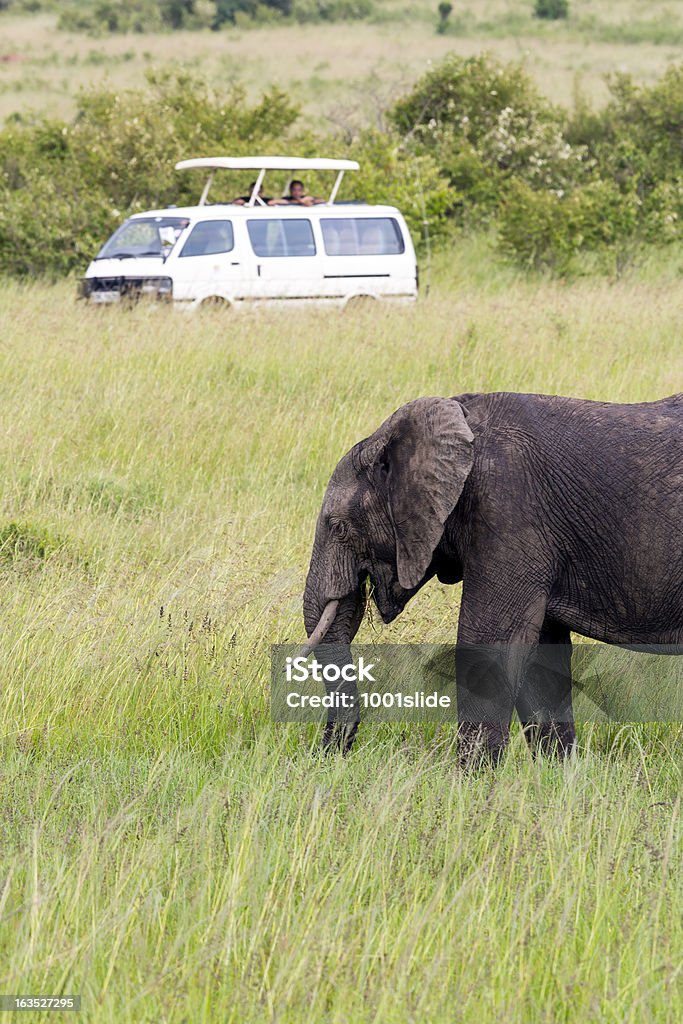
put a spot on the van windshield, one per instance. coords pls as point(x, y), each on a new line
point(143, 236)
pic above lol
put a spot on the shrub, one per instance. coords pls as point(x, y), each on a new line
point(65, 186)
point(473, 140)
point(551, 10)
point(330, 10)
point(650, 117)
point(546, 230)
point(557, 185)
point(103, 16)
point(113, 16)
point(464, 96)
point(445, 10)
point(484, 123)
point(635, 143)
point(535, 229)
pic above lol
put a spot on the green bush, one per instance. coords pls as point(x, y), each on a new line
point(535, 228)
point(465, 97)
point(650, 118)
point(472, 142)
point(547, 230)
point(556, 184)
point(330, 10)
point(65, 186)
point(103, 16)
point(551, 10)
point(635, 144)
point(485, 123)
point(444, 10)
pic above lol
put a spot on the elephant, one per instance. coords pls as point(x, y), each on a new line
point(558, 515)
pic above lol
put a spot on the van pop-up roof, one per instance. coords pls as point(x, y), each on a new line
point(267, 163)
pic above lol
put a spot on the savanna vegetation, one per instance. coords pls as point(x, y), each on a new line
point(165, 849)
point(341, 73)
point(472, 145)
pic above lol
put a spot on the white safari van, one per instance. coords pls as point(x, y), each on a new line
point(250, 253)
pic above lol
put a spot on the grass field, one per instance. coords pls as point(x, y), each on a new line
point(168, 852)
point(344, 74)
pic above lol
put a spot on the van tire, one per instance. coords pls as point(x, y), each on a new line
point(214, 303)
point(360, 302)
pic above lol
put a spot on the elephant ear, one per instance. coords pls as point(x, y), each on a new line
point(419, 460)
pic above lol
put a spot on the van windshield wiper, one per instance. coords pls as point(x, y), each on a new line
point(127, 255)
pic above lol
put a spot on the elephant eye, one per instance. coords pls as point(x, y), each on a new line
point(340, 529)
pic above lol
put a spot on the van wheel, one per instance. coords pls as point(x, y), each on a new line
point(361, 302)
point(214, 303)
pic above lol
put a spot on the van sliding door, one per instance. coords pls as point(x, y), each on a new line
point(287, 262)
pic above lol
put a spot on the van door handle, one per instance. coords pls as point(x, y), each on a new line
point(235, 264)
point(258, 269)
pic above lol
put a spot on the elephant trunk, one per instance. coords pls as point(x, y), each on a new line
point(332, 621)
point(324, 623)
point(331, 630)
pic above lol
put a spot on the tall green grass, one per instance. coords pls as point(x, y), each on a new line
point(167, 851)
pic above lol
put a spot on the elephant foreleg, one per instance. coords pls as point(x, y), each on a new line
point(343, 717)
point(485, 695)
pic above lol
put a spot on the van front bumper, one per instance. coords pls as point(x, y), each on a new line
point(113, 289)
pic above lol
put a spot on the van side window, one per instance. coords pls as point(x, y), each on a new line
point(290, 237)
point(209, 237)
point(362, 236)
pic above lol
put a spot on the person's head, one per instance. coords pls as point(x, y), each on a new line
point(252, 186)
point(296, 189)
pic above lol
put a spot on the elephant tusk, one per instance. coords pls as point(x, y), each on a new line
point(324, 623)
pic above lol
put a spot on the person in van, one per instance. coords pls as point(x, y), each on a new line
point(261, 200)
point(297, 195)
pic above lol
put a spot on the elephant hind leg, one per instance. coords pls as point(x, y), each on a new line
point(554, 739)
point(498, 670)
point(481, 743)
point(544, 700)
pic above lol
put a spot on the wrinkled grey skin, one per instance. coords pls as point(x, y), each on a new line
point(556, 514)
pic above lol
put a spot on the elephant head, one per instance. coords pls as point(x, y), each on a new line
point(383, 516)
